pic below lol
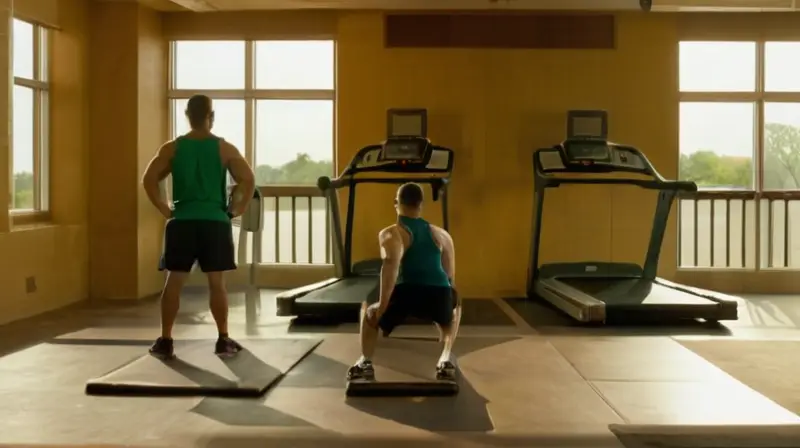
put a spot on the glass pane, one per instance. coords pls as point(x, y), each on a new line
point(23, 49)
point(294, 141)
point(22, 168)
point(215, 65)
point(717, 142)
point(782, 67)
point(717, 66)
point(229, 121)
point(294, 64)
point(782, 146)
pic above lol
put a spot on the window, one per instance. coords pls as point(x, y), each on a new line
point(717, 142)
point(29, 187)
point(740, 130)
point(717, 66)
point(781, 146)
point(304, 65)
point(274, 100)
point(209, 65)
point(286, 152)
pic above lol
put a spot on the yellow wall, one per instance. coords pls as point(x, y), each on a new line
point(55, 254)
point(494, 107)
point(129, 122)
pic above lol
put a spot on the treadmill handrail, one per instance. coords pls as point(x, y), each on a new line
point(657, 181)
point(325, 183)
point(672, 185)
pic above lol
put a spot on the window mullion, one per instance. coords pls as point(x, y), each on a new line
point(759, 122)
point(37, 145)
point(249, 102)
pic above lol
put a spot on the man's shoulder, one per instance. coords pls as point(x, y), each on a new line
point(439, 230)
point(168, 148)
point(388, 231)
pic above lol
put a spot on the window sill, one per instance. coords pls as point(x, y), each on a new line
point(30, 220)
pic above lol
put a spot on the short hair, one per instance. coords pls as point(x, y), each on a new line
point(410, 195)
point(198, 109)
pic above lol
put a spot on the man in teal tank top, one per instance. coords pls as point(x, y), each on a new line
point(199, 222)
point(417, 279)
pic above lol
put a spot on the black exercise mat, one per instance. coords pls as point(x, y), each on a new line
point(197, 371)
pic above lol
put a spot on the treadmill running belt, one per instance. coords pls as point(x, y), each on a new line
point(346, 290)
point(631, 291)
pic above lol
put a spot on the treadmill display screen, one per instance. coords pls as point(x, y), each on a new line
point(408, 149)
point(578, 152)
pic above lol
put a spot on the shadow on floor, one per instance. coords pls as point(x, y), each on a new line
point(773, 311)
point(247, 412)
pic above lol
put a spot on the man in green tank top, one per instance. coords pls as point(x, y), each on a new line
point(199, 221)
point(417, 279)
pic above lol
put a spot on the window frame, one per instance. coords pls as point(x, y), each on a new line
point(760, 97)
point(250, 95)
point(40, 85)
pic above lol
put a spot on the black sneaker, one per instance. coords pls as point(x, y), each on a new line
point(361, 371)
point(227, 347)
point(446, 371)
point(163, 349)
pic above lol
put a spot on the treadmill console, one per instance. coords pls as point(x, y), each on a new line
point(403, 155)
point(586, 155)
point(405, 149)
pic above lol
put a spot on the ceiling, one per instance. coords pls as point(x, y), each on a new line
point(591, 5)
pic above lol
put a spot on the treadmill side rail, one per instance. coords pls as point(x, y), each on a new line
point(581, 306)
point(728, 306)
point(286, 299)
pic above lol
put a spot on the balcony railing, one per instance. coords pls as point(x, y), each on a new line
point(717, 229)
point(296, 228)
point(739, 230)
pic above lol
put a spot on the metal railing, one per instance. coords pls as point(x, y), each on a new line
point(296, 229)
point(739, 230)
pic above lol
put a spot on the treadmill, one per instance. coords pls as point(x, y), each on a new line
point(406, 156)
point(600, 292)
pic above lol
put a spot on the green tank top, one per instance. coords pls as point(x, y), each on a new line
point(422, 261)
point(199, 180)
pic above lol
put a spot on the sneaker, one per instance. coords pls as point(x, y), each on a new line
point(227, 347)
point(361, 371)
point(446, 371)
point(163, 349)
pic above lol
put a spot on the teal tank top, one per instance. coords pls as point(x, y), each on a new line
point(422, 261)
point(199, 180)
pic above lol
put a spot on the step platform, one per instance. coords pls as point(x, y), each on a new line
point(374, 388)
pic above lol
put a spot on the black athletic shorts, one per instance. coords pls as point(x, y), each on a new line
point(435, 303)
point(209, 243)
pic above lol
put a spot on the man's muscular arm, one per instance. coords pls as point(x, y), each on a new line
point(448, 255)
point(391, 253)
point(157, 170)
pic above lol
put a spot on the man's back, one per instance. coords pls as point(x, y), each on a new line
point(422, 262)
point(199, 179)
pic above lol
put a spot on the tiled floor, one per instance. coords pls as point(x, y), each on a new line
point(546, 381)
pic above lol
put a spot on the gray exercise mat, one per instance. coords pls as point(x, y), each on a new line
point(197, 371)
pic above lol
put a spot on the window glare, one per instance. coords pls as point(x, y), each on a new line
point(294, 65)
point(717, 66)
point(782, 66)
point(23, 38)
